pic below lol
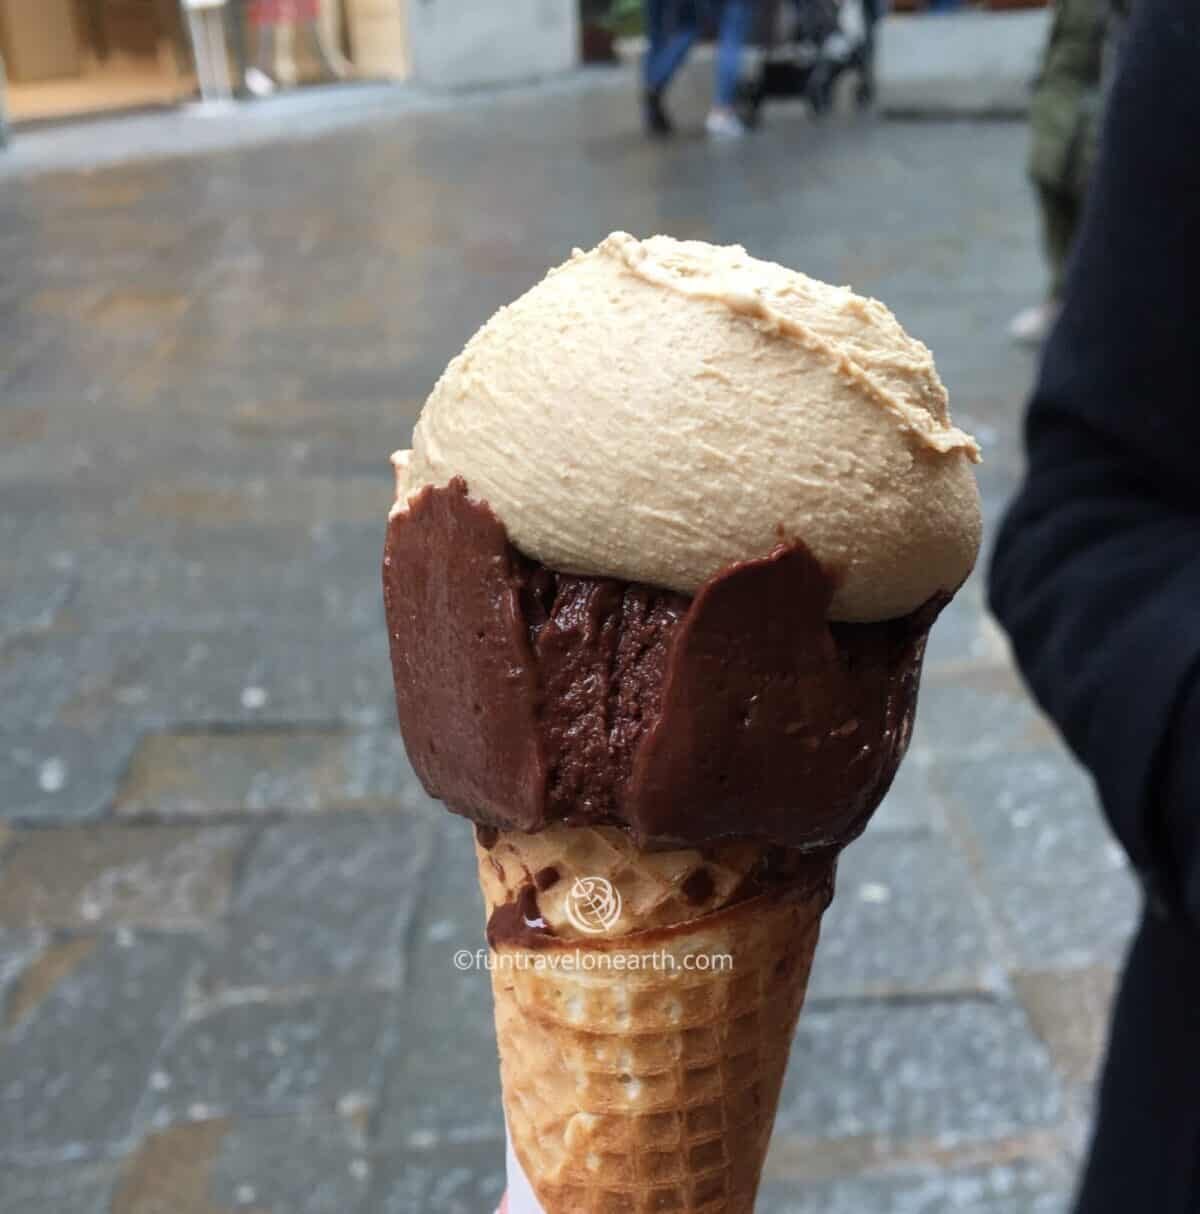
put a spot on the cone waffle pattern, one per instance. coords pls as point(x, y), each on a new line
point(652, 1088)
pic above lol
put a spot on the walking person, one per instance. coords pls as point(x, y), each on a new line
point(672, 28)
point(1064, 122)
point(1096, 576)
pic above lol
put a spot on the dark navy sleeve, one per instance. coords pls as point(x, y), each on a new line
point(1096, 572)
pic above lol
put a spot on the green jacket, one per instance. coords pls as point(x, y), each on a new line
point(1068, 96)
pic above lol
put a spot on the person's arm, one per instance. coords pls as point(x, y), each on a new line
point(1096, 572)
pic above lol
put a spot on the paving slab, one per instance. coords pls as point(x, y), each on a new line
point(463, 1178)
point(958, 1070)
point(283, 1164)
point(44, 973)
point(202, 773)
point(964, 636)
point(910, 804)
point(57, 1189)
point(323, 577)
point(1060, 884)
point(976, 714)
point(314, 1163)
point(905, 921)
point(18, 947)
point(73, 1070)
point(188, 678)
point(1069, 1010)
point(443, 1084)
point(322, 904)
point(173, 877)
point(272, 1165)
point(63, 773)
point(33, 603)
point(40, 672)
point(170, 1170)
point(1008, 1189)
point(267, 1057)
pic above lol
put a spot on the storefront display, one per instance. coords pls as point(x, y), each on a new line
point(68, 57)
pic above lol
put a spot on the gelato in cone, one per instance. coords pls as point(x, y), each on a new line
point(644, 1036)
point(658, 579)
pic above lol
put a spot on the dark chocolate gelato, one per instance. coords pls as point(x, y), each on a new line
point(528, 696)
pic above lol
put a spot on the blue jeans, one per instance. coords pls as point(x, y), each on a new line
point(672, 27)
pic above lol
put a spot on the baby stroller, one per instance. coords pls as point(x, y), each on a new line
point(806, 46)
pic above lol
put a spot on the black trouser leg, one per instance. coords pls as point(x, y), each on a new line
point(1145, 1153)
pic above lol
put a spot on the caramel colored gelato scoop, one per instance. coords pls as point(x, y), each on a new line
point(657, 410)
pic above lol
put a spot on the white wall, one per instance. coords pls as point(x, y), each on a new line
point(459, 43)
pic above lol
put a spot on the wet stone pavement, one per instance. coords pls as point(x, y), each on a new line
point(227, 909)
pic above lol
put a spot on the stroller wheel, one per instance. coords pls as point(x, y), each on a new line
point(818, 92)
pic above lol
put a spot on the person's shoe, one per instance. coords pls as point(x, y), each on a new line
point(654, 114)
point(1032, 326)
point(723, 124)
point(258, 83)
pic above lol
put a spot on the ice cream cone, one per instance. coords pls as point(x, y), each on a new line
point(645, 1005)
point(656, 621)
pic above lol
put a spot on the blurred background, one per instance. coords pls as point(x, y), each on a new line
point(227, 909)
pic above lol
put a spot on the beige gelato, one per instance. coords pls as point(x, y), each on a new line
point(657, 410)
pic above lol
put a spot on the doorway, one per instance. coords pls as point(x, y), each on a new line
point(66, 58)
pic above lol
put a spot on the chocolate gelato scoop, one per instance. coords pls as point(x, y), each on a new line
point(528, 696)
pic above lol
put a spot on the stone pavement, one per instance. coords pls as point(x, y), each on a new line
point(227, 910)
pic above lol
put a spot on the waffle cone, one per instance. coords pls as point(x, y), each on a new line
point(652, 1086)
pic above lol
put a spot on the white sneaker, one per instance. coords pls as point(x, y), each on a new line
point(723, 124)
point(259, 83)
point(1032, 326)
